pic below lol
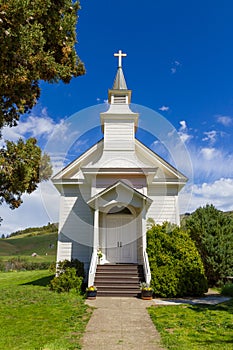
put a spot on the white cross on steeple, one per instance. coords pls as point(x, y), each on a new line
point(120, 55)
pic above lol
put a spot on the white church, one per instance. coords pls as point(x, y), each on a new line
point(108, 193)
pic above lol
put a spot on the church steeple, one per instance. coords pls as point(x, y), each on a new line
point(119, 82)
point(119, 94)
point(119, 123)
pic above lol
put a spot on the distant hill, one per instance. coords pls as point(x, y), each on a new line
point(42, 241)
point(36, 230)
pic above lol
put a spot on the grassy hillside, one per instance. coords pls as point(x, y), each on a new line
point(24, 245)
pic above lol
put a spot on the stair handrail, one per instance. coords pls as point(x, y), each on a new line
point(146, 267)
point(93, 266)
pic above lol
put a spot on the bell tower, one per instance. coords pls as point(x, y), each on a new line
point(119, 123)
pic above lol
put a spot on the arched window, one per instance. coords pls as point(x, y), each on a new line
point(120, 210)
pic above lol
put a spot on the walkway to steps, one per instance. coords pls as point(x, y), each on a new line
point(120, 323)
point(124, 323)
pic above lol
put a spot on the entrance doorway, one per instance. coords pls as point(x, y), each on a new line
point(121, 238)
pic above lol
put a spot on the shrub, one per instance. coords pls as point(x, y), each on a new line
point(66, 281)
point(227, 289)
point(212, 232)
point(2, 265)
point(176, 267)
point(70, 275)
point(75, 263)
point(21, 264)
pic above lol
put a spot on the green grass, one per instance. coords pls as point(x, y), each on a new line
point(34, 318)
point(38, 258)
point(195, 327)
point(25, 245)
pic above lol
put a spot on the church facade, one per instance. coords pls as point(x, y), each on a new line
point(108, 193)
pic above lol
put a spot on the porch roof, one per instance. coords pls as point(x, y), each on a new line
point(120, 197)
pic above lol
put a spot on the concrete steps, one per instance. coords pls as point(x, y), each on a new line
point(121, 280)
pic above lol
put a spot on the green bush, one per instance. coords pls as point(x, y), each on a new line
point(66, 281)
point(21, 264)
point(227, 289)
point(78, 265)
point(176, 267)
point(2, 265)
point(70, 275)
point(212, 232)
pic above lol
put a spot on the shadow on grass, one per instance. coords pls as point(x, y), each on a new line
point(216, 342)
point(226, 306)
point(43, 282)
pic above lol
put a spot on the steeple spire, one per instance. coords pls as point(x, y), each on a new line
point(119, 82)
point(119, 92)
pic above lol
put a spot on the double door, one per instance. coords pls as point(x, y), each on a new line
point(121, 239)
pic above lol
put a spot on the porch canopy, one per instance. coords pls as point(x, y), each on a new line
point(119, 193)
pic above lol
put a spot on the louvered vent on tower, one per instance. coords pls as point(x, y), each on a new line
point(120, 99)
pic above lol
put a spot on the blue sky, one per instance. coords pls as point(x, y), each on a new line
point(179, 63)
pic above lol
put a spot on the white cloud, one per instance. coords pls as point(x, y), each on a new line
point(209, 153)
point(53, 137)
point(164, 108)
point(224, 120)
point(184, 137)
point(212, 166)
point(183, 132)
point(219, 193)
point(59, 161)
point(183, 125)
point(210, 163)
point(33, 126)
point(37, 209)
point(173, 70)
point(210, 136)
point(221, 188)
point(175, 65)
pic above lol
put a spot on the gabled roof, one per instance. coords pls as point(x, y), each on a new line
point(76, 163)
point(163, 162)
point(118, 186)
point(86, 162)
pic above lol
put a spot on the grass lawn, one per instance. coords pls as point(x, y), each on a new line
point(34, 318)
point(195, 327)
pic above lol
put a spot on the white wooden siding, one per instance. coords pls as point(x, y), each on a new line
point(162, 190)
point(66, 205)
point(163, 209)
point(64, 251)
point(119, 135)
point(76, 223)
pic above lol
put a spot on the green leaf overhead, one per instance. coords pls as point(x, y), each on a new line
point(22, 168)
point(37, 42)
